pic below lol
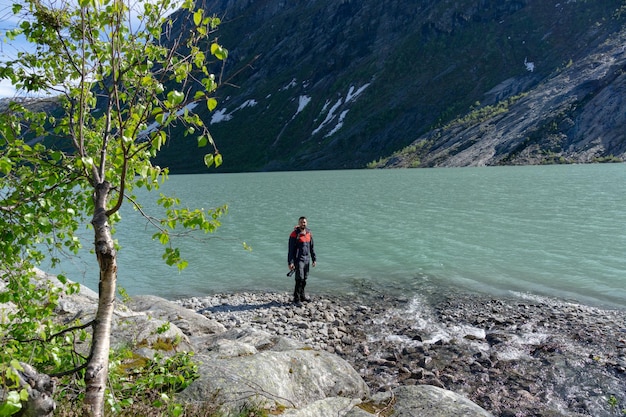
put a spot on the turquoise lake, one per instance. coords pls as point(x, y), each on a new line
point(556, 231)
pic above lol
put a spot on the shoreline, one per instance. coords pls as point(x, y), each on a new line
point(513, 356)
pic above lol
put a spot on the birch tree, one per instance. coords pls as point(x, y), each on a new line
point(119, 75)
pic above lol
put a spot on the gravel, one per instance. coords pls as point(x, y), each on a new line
point(513, 356)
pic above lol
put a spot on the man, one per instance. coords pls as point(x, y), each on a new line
point(301, 252)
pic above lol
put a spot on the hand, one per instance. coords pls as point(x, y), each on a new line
point(314, 263)
point(292, 267)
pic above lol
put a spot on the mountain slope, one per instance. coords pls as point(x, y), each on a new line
point(327, 84)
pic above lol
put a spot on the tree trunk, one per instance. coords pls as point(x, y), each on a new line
point(98, 365)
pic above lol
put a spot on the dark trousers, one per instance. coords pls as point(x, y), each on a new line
point(302, 273)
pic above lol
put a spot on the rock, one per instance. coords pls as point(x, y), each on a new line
point(294, 379)
point(194, 324)
point(334, 406)
point(259, 340)
point(418, 400)
point(40, 388)
point(433, 402)
point(232, 349)
point(148, 332)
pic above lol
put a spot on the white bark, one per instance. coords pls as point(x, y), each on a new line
point(98, 365)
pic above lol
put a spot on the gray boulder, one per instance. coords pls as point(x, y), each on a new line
point(292, 379)
point(246, 365)
point(428, 400)
point(40, 388)
point(148, 334)
point(334, 406)
point(239, 340)
point(191, 323)
point(157, 322)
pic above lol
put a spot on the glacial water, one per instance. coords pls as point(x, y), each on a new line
point(556, 231)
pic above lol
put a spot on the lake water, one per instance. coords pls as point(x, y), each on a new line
point(557, 231)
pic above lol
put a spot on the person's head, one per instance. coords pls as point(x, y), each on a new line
point(302, 222)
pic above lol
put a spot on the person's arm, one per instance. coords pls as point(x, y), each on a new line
point(313, 256)
point(291, 252)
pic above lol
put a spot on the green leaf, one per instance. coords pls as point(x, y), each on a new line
point(175, 97)
point(218, 160)
point(182, 264)
point(12, 404)
point(209, 83)
point(177, 410)
point(160, 118)
point(158, 140)
point(202, 141)
point(5, 166)
point(197, 17)
point(211, 104)
point(219, 52)
point(87, 161)
point(146, 81)
point(215, 22)
point(24, 394)
point(209, 159)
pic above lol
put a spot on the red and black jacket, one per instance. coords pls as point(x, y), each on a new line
point(301, 246)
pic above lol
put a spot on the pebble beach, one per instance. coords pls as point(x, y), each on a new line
point(513, 356)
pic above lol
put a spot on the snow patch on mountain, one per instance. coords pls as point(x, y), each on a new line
point(221, 115)
point(352, 95)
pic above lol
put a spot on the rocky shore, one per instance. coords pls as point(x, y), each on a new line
point(513, 356)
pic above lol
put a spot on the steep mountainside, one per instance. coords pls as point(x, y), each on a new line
point(330, 84)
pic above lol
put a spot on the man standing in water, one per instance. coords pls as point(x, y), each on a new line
point(301, 252)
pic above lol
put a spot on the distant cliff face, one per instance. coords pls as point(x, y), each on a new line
point(330, 84)
point(575, 115)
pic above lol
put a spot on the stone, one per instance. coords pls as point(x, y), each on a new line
point(40, 388)
point(195, 324)
point(293, 379)
point(433, 402)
